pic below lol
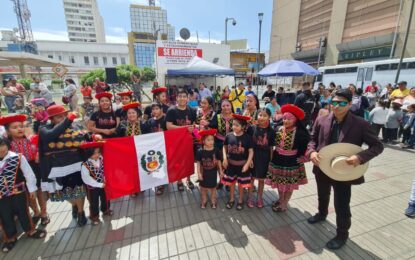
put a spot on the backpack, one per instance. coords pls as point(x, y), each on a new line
point(356, 103)
point(309, 105)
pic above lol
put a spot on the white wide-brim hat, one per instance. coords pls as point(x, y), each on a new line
point(333, 162)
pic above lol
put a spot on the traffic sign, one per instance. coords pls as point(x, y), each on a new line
point(60, 70)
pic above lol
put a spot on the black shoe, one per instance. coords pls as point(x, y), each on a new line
point(316, 218)
point(228, 188)
point(82, 219)
point(336, 243)
point(219, 186)
point(74, 212)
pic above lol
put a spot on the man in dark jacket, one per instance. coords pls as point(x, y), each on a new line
point(340, 126)
point(305, 100)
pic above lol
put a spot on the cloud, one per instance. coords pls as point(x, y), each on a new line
point(116, 39)
point(117, 31)
point(50, 35)
point(194, 39)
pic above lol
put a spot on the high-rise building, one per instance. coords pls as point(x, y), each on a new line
point(148, 24)
point(84, 22)
point(335, 32)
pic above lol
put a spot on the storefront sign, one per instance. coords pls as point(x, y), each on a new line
point(365, 54)
point(169, 53)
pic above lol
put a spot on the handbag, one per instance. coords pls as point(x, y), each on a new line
point(66, 100)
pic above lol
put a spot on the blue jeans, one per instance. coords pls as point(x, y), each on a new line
point(9, 100)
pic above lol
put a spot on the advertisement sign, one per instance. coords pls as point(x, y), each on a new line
point(177, 53)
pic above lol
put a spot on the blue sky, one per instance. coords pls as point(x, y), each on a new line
point(204, 16)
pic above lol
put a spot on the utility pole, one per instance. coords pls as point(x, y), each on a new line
point(408, 28)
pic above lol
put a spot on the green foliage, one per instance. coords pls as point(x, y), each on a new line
point(148, 74)
point(92, 75)
point(57, 81)
point(124, 73)
point(25, 82)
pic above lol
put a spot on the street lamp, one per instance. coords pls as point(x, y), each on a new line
point(226, 27)
point(260, 18)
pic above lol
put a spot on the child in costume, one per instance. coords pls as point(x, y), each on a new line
point(238, 154)
point(17, 181)
point(92, 172)
point(208, 165)
point(286, 170)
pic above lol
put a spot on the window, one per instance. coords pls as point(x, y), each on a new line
point(72, 59)
point(104, 60)
point(369, 72)
point(50, 56)
point(351, 70)
point(114, 60)
point(411, 65)
point(60, 57)
point(123, 60)
point(382, 67)
point(394, 66)
point(95, 60)
point(86, 60)
point(329, 71)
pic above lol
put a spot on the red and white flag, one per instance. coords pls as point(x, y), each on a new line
point(138, 163)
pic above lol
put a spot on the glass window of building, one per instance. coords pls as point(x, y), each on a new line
point(86, 60)
point(50, 56)
point(72, 59)
point(114, 60)
point(123, 61)
point(95, 60)
point(104, 60)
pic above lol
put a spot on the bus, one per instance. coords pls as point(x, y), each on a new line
point(362, 74)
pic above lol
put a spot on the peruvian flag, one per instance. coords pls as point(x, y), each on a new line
point(138, 163)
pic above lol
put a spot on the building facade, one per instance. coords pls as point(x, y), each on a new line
point(245, 64)
point(83, 20)
point(148, 24)
point(333, 32)
point(86, 54)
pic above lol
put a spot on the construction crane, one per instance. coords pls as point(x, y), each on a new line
point(25, 29)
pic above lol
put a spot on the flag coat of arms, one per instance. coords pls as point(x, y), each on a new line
point(137, 163)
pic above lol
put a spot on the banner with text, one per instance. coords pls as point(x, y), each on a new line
point(177, 53)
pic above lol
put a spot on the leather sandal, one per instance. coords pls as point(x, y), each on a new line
point(38, 234)
point(230, 204)
point(8, 246)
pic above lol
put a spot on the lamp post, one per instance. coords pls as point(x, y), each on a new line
point(226, 27)
point(260, 18)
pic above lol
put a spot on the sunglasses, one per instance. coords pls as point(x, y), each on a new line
point(339, 103)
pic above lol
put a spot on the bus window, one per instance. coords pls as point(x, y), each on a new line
point(341, 70)
point(360, 74)
point(382, 67)
point(351, 69)
point(394, 66)
point(329, 71)
point(411, 65)
point(319, 77)
point(369, 72)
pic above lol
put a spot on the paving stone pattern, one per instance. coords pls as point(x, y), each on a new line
point(172, 226)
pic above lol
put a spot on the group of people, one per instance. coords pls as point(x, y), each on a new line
point(238, 144)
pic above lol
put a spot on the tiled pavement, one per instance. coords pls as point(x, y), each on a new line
point(173, 227)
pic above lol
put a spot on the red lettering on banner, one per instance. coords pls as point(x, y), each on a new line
point(179, 52)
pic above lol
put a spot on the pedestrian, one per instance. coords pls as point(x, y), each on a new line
point(126, 98)
point(407, 125)
point(40, 90)
point(86, 90)
point(92, 172)
point(69, 94)
point(204, 91)
point(340, 126)
point(359, 102)
point(131, 125)
point(103, 121)
point(393, 121)
point(268, 95)
point(20, 143)
point(39, 115)
point(205, 113)
point(237, 98)
point(136, 87)
point(209, 164)
point(251, 108)
point(159, 96)
point(10, 93)
point(410, 211)
point(377, 118)
point(286, 170)
point(16, 177)
point(60, 160)
point(306, 101)
point(401, 92)
point(263, 137)
point(181, 116)
point(273, 107)
point(238, 154)
point(87, 109)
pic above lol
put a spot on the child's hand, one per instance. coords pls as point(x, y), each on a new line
point(225, 164)
point(221, 174)
point(251, 165)
point(245, 168)
point(32, 195)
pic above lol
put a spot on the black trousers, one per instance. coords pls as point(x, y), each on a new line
point(97, 200)
point(342, 195)
point(377, 128)
point(11, 206)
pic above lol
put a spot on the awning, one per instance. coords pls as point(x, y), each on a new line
point(198, 66)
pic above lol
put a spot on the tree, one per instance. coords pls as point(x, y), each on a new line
point(25, 82)
point(92, 75)
point(148, 74)
point(124, 73)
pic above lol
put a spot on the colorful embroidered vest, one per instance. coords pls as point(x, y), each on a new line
point(70, 139)
point(12, 181)
point(224, 127)
point(96, 173)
